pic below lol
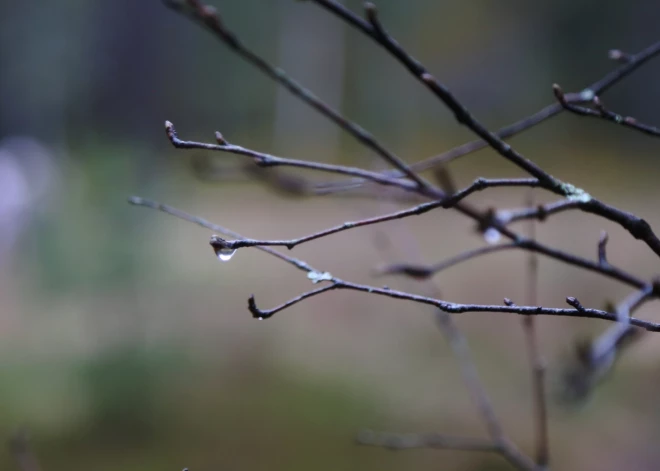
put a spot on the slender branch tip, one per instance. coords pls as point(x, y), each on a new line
point(220, 139)
point(559, 93)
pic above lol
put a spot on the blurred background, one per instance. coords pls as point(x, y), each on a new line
point(126, 345)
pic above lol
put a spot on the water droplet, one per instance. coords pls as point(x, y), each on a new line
point(492, 235)
point(260, 318)
point(225, 254)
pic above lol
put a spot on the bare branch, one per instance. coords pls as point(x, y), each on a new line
point(452, 308)
point(209, 17)
point(636, 226)
point(460, 308)
point(630, 65)
point(261, 314)
point(376, 31)
point(267, 160)
point(536, 361)
point(372, 28)
point(640, 226)
point(478, 185)
point(575, 302)
point(461, 350)
point(595, 359)
point(137, 201)
point(609, 271)
point(599, 111)
point(602, 249)
point(599, 356)
point(540, 212)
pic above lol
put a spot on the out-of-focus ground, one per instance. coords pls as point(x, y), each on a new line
point(125, 344)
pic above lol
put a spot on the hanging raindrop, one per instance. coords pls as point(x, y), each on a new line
point(224, 255)
point(222, 249)
point(492, 236)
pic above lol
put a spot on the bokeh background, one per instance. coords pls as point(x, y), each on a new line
point(125, 345)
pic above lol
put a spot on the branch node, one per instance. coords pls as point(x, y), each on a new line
point(371, 12)
point(619, 56)
point(602, 249)
point(572, 301)
point(256, 312)
point(220, 139)
point(559, 94)
point(598, 104)
point(171, 132)
point(542, 213)
point(223, 249)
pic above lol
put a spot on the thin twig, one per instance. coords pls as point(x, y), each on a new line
point(596, 359)
point(265, 314)
point(630, 65)
point(537, 364)
point(606, 345)
point(372, 27)
point(636, 226)
point(459, 308)
point(540, 212)
point(599, 111)
point(641, 227)
point(461, 350)
point(478, 185)
point(602, 249)
point(449, 307)
point(462, 115)
point(209, 17)
point(137, 201)
point(267, 160)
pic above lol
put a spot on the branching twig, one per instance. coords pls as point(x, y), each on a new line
point(461, 350)
point(449, 307)
point(137, 201)
point(265, 314)
point(375, 30)
point(595, 359)
point(536, 361)
point(449, 202)
point(637, 227)
point(630, 65)
point(405, 177)
point(599, 111)
point(210, 18)
point(267, 160)
point(602, 249)
point(454, 200)
point(540, 212)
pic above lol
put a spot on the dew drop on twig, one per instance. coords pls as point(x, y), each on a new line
point(492, 235)
point(224, 254)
